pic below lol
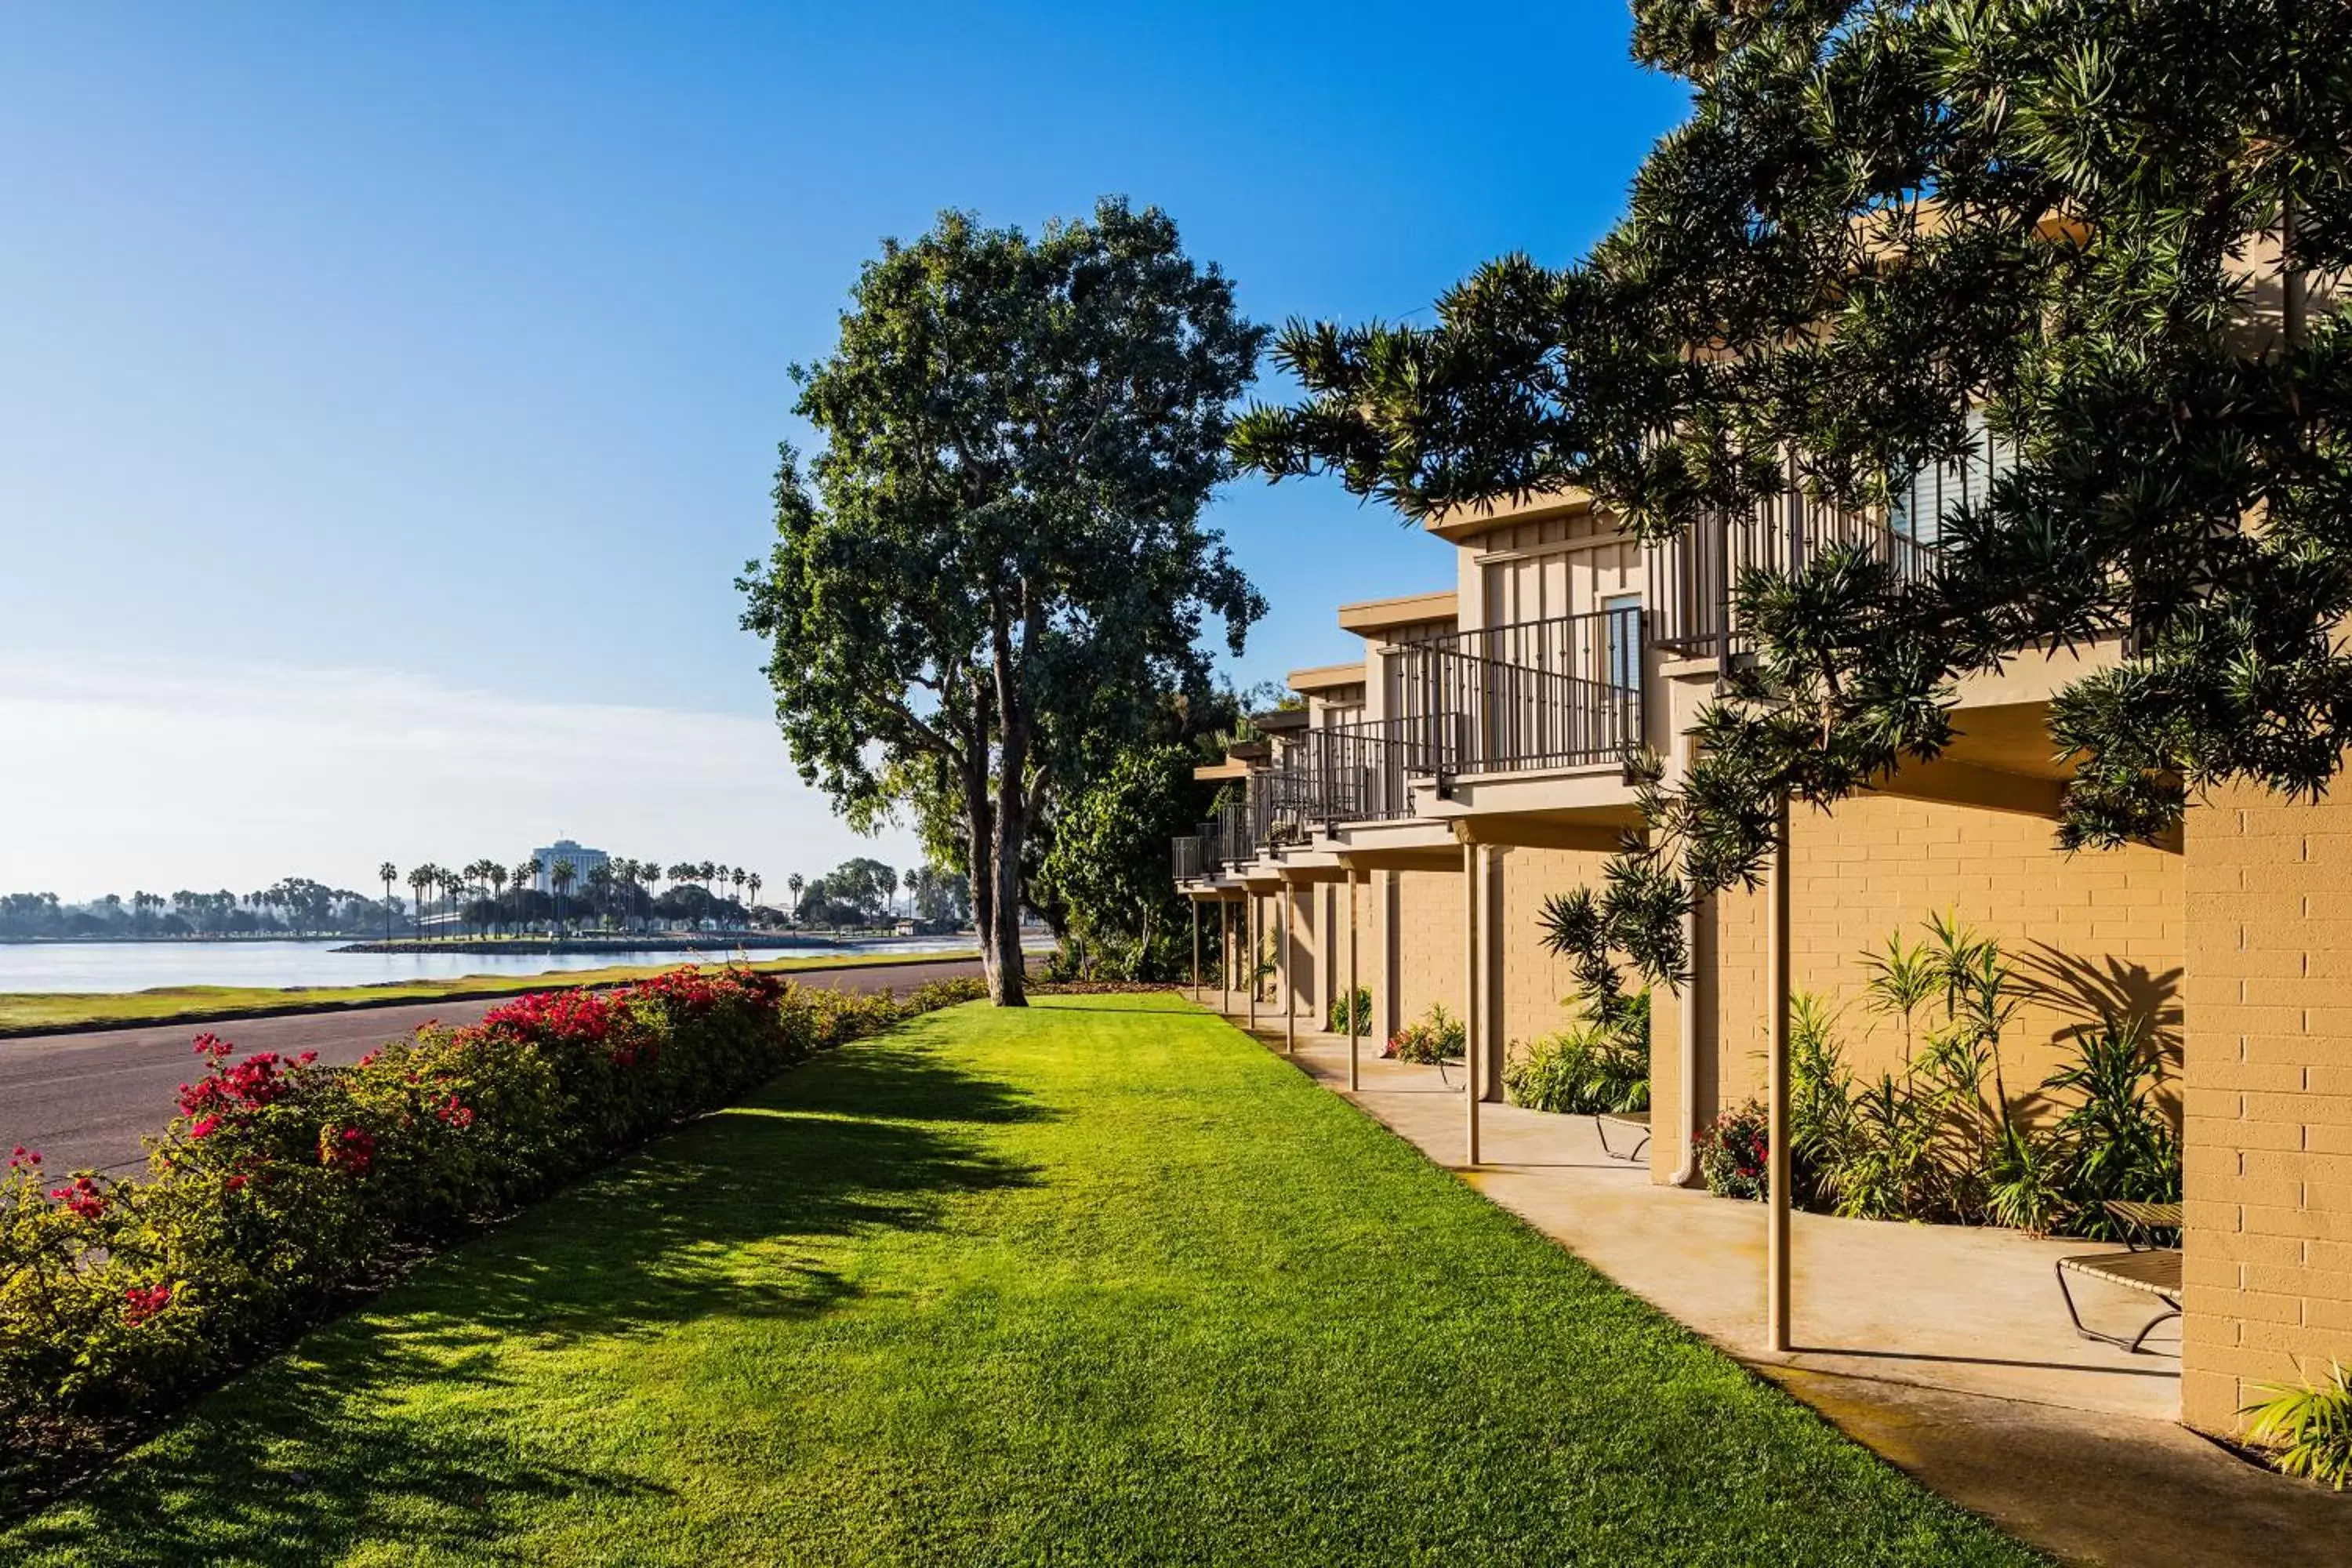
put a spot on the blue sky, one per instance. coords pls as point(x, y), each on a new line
point(448, 344)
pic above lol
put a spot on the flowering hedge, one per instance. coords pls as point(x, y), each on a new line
point(284, 1187)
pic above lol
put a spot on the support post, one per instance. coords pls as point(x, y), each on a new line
point(1289, 967)
point(1249, 959)
point(1470, 1085)
point(1353, 1073)
point(1196, 949)
point(1225, 958)
point(1776, 1231)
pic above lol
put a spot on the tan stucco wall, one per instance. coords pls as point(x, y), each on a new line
point(2267, 1170)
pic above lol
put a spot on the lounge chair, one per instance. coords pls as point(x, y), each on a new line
point(1634, 1121)
point(2151, 1270)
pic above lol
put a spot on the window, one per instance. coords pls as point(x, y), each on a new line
point(1939, 490)
point(1623, 630)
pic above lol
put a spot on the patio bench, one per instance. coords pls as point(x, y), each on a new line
point(2150, 1271)
point(1634, 1121)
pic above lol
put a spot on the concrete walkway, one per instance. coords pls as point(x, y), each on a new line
point(1946, 1350)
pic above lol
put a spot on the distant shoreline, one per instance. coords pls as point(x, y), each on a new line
point(650, 941)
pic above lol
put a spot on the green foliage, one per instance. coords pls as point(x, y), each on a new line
point(1579, 1071)
point(996, 565)
point(1937, 1138)
point(2085, 229)
point(1336, 1018)
point(1733, 1155)
point(1010, 1288)
point(285, 1189)
point(1437, 1036)
point(2309, 1430)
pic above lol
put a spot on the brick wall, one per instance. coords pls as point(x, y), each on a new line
point(2082, 934)
point(1429, 943)
point(1534, 984)
point(2268, 1159)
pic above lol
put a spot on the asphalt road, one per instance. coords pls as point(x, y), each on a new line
point(85, 1099)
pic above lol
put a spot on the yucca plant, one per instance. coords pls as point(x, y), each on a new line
point(2118, 1143)
point(2307, 1429)
point(2026, 1184)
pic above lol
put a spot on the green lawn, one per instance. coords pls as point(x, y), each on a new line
point(21, 1010)
point(1104, 1281)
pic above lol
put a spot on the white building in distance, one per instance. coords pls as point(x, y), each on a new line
point(584, 860)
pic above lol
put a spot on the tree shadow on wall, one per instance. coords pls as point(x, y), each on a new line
point(2090, 993)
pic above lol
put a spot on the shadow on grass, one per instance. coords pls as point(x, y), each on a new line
point(336, 1444)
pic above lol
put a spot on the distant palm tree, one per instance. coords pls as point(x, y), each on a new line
point(496, 875)
point(754, 879)
point(911, 881)
point(526, 875)
point(387, 871)
point(563, 875)
point(419, 880)
point(739, 877)
point(792, 885)
point(600, 882)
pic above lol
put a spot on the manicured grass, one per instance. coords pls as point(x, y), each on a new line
point(1103, 1281)
point(201, 1004)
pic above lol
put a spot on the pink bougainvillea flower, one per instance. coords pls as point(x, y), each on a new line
point(83, 1199)
point(142, 1302)
point(202, 1127)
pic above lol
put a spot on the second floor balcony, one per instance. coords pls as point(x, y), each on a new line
point(1533, 696)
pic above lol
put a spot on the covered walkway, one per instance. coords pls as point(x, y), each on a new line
point(1945, 1349)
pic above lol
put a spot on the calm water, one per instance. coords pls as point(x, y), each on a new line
point(141, 965)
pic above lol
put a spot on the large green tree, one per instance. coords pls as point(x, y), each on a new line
point(2110, 229)
point(998, 554)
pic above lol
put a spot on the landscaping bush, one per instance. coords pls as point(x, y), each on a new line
point(2307, 1431)
point(1580, 1070)
point(1593, 1065)
point(1938, 1137)
point(1733, 1153)
point(284, 1187)
point(1437, 1036)
point(1336, 1017)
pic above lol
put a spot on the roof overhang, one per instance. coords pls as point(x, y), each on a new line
point(1369, 617)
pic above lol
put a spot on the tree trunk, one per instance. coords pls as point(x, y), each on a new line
point(1007, 981)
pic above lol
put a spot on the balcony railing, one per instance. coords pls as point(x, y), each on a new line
point(1189, 855)
point(1557, 693)
point(1693, 578)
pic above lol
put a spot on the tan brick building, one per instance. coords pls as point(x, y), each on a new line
point(1470, 767)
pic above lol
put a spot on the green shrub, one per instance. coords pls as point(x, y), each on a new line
point(2308, 1431)
point(1336, 1018)
point(284, 1187)
point(1437, 1037)
point(1734, 1153)
point(1580, 1070)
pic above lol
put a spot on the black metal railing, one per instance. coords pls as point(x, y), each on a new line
point(1693, 578)
point(1189, 855)
point(1560, 692)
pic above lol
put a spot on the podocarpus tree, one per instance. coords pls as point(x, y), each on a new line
point(2109, 229)
point(998, 554)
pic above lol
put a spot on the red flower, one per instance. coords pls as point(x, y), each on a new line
point(23, 1159)
point(202, 1127)
point(83, 1199)
point(350, 1151)
point(138, 1304)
